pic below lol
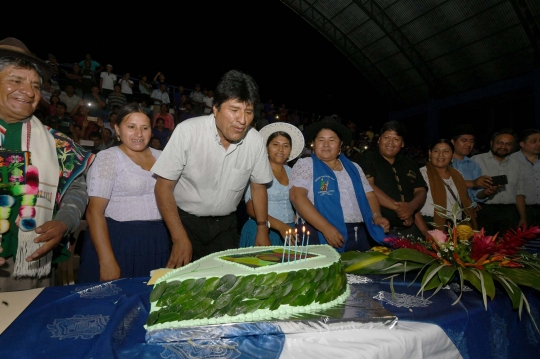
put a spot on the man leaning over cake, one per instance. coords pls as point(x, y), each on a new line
point(204, 170)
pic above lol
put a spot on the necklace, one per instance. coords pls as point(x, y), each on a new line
point(337, 166)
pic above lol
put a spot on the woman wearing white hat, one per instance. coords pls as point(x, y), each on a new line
point(284, 142)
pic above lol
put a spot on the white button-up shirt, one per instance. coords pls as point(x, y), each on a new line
point(211, 179)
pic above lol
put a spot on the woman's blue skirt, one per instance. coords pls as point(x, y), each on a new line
point(138, 246)
point(249, 232)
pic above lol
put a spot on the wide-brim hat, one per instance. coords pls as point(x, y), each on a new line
point(330, 123)
point(13, 47)
point(293, 131)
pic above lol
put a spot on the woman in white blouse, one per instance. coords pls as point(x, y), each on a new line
point(332, 195)
point(126, 235)
point(446, 186)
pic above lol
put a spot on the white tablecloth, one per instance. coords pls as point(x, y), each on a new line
point(406, 340)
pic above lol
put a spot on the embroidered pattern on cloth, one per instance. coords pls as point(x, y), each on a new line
point(358, 279)
point(78, 326)
point(402, 300)
point(499, 337)
point(458, 338)
point(455, 287)
point(107, 289)
point(224, 348)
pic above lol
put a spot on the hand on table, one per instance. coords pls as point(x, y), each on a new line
point(181, 253)
point(262, 238)
point(52, 233)
point(109, 271)
point(333, 237)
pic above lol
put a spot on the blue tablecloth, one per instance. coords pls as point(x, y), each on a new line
point(106, 321)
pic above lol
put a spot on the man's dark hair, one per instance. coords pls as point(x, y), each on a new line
point(62, 104)
point(504, 131)
point(95, 134)
point(396, 126)
point(524, 135)
point(236, 85)
point(463, 129)
point(20, 63)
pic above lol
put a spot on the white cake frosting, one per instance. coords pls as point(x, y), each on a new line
point(214, 266)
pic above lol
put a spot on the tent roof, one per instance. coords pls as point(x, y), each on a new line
point(413, 51)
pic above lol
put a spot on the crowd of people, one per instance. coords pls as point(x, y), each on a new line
point(161, 190)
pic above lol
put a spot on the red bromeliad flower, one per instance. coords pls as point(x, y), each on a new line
point(513, 240)
point(398, 242)
point(482, 245)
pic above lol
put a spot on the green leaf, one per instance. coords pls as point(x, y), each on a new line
point(411, 255)
point(472, 278)
point(488, 284)
point(157, 291)
point(522, 276)
point(430, 279)
point(366, 259)
point(351, 257)
point(513, 291)
point(446, 274)
point(399, 267)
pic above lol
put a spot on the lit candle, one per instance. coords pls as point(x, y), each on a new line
point(289, 254)
point(307, 244)
point(284, 243)
point(295, 243)
point(303, 238)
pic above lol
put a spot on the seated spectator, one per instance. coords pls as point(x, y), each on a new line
point(116, 98)
point(159, 131)
point(145, 89)
point(155, 143)
point(95, 102)
point(75, 132)
point(88, 78)
point(96, 138)
point(74, 77)
point(127, 84)
point(61, 121)
point(51, 111)
point(69, 98)
point(166, 116)
point(94, 65)
point(88, 124)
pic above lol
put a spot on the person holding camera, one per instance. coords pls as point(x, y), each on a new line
point(95, 102)
point(505, 208)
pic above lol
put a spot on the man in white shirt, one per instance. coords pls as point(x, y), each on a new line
point(505, 208)
point(107, 81)
point(69, 98)
point(529, 141)
point(204, 170)
point(208, 99)
point(160, 96)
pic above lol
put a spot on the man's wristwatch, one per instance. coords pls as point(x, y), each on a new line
point(264, 223)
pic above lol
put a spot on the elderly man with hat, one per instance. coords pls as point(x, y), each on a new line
point(332, 195)
point(42, 186)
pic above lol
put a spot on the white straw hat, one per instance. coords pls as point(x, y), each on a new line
point(296, 136)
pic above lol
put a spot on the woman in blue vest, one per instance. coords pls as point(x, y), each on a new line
point(332, 195)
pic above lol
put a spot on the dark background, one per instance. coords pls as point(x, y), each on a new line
point(291, 61)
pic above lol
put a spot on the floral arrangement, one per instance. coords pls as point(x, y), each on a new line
point(458, 252)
